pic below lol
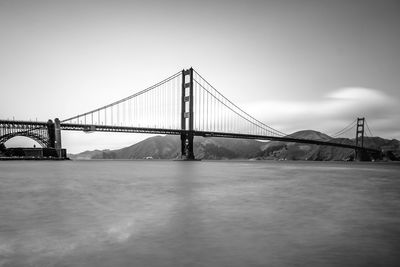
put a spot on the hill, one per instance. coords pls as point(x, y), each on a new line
point(168, 147)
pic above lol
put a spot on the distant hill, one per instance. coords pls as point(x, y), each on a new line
point(311, 134)
point(168, 147)
point(296, 151)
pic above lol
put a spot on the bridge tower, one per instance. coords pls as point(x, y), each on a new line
point(187, 115)
point(359, 136)
point(54, 133)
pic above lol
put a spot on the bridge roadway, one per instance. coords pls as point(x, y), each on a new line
point(125, 129)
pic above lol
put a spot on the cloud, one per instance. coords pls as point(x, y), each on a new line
point(357, 94)
point(332, 112)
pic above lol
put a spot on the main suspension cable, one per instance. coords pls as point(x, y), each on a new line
point(126, 98)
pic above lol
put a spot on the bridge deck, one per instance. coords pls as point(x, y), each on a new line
point(125, 129)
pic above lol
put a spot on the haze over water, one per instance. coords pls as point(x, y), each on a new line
point(168, 213)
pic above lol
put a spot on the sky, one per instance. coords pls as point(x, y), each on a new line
point(295, 65)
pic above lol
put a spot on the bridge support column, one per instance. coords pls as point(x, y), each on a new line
point(358, 155)
point(54, 133)
point(51, 133)
point(57, 135)
point(187, 134)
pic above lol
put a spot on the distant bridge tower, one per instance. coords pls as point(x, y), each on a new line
point(359, 136)
point(187, 115)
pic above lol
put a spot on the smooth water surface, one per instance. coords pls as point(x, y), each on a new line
point(171, 213)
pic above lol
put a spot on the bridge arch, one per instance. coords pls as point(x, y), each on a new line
point(40, 139)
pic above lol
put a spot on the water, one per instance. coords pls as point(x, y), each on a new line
point(166, 213)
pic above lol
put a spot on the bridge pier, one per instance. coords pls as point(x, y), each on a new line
point(187, 146)
point(187, 115)
point(57, 133)
point(54, 133)
point(51, 133)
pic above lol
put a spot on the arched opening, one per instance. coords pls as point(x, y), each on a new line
point(22, 141)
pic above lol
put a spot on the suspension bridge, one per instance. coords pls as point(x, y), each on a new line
point(184, 104)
